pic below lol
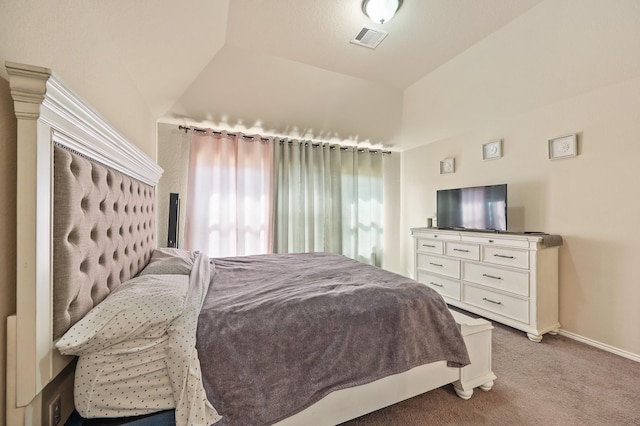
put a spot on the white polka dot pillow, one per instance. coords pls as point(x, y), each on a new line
point(170, 261)
point(140, 308)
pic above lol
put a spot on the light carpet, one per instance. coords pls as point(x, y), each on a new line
point(558, 381)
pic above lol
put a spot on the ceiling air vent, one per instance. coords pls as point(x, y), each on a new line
point(369, 37)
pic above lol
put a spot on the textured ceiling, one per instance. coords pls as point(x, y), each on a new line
point(422, 36)
point(278, 66)
point(287, 67)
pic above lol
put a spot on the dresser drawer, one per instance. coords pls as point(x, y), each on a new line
point(506, 256)
point(507, 306)
point(463, 251)
point(439, 265)
point(436, 235)
point(497, 241)
point(504, 279)
point(444, 286)
point(425, 245)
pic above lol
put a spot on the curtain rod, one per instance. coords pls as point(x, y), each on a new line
point(262, 138)
point(201, 130)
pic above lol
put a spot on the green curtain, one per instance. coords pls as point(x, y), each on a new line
point(328, 198)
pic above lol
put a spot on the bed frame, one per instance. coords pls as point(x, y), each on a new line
point(49, 116)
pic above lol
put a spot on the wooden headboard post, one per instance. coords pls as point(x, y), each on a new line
point(49, 113)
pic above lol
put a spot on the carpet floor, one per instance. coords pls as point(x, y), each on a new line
point(558, 381)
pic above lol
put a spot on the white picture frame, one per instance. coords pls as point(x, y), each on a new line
point(563, 147)
point(492, 150)
point(448, 165)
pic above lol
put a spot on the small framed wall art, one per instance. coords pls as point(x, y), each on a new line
point(492, 150)
point(563, 147)
point(448, 165)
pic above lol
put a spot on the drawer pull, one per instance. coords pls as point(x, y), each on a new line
point(491, 301)
point(435, 264)
point(492, 276)
point(428, 245)
point(505, 257)
point(464, 251)
point(436, 284)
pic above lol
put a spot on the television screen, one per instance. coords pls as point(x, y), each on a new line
point(480, 207)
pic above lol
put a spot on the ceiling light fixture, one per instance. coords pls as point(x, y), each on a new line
point(381, 11)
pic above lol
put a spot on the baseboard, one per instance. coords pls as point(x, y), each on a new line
point(599, 345)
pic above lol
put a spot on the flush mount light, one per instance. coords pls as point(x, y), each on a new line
point(381, 11)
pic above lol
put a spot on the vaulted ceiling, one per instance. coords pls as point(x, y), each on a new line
point(287, 67)
point(278, 66)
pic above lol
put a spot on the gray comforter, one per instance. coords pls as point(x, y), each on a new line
point(279, 332)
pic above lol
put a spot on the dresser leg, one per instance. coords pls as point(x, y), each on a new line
point(464, 394)
point(486, 386)
point(554, 332)
point(535, 337)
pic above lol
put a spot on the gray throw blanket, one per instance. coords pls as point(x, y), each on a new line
point(279, 332)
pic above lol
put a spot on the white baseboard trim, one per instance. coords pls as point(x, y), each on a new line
point(599, 345)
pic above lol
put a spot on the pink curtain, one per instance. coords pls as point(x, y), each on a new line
point(230, 195)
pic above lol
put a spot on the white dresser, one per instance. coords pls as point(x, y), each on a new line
point(508, 277)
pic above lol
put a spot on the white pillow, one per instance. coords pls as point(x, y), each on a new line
point(170, 261)
point(140, 308)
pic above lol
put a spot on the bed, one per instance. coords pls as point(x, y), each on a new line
point(87, 228)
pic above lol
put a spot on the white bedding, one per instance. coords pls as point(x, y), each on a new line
point(152, 364)
point(120, 385)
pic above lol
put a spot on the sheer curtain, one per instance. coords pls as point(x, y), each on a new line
point(230, 195)
point(328, 198)
point(362, 190)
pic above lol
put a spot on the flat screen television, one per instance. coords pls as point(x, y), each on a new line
point(479, 207)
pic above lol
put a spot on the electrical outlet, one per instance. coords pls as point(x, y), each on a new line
point(55, 411)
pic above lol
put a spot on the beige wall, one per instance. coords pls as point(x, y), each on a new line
point(392, 227)
point(577, 70)
point(173, 157)
point(8, 225)
point(557, 50)
point(68, 37)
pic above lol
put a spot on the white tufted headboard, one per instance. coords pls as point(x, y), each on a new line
point(82, 227)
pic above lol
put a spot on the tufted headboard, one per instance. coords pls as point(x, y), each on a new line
point(85, 223)
point(103, 233)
